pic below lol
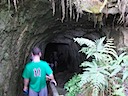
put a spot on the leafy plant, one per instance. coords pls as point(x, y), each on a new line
point(72, 86)
point(106, 74)
point(95, 76)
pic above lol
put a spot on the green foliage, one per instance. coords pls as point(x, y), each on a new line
point(118, 90)
point(96, 48)
point(72, 86)
point(96, 76)
point(107, 70)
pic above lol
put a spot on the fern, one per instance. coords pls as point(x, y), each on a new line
point(98, 49)
point(72, 86)
point(106, 70)
point(119, 91)
point(83, 41)
point(125, 74)
point(117, 69)
point(94, 75)
point(120, 65)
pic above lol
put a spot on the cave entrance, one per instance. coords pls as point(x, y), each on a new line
point(57, 54)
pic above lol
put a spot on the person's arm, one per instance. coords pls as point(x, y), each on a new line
point(26, 82)
point(49, 75)
point(51, 78)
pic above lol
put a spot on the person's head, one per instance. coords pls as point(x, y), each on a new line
point(36, 51)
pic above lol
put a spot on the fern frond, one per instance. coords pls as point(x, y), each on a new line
point(112, 53)
point(105, 71)
point(119, 92)
point(121, 59)
point(94, 75)
point(99, 43)
point(123, 54)
point(86, 63)
point(125, 74)
point(107, 59)
point(125, 58)
point(109, 45)
point(117, 68)
point(99, 56)
point(84, 50)
point(83, 41)
point(111, 50)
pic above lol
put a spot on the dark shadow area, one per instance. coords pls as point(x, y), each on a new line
point(57, 55)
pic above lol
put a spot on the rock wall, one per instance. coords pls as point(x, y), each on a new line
point(17, 36)
point(120, 36)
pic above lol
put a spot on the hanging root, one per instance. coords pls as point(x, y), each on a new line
point(53, 7)
point(63, 9)
point(15, 4)
point(70, 8)
point(67, 6)
point(90, 6)
point(9, 4)
point(122, 4)
point(126, 21)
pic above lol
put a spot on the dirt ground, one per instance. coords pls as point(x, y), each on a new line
point(62, 78)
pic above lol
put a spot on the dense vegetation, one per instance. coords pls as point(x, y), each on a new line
point(104, 75)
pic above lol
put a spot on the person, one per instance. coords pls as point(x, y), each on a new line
point(53, 61)
point(35, 74)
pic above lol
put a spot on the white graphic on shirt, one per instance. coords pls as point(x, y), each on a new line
point(37, 72)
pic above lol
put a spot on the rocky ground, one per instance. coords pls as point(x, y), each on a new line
point(62, 78)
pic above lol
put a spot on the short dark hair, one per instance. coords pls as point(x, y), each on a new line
point(36, 51)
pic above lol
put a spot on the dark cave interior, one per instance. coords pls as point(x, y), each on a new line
point(54, 55)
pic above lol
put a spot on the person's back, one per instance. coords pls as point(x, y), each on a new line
point(35, 74)
point(38, 71)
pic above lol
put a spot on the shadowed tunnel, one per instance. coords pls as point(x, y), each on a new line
point(58, 53)
point(65, 52)
point(60, 48)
